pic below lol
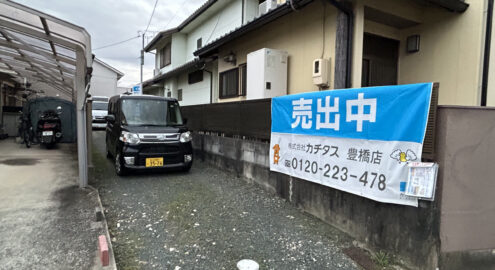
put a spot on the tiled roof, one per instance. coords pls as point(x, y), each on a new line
point(255, 23)
point(173, 72)
point(187, 21)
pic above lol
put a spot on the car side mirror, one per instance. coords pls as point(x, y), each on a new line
point(184, 121)
point(110, 118)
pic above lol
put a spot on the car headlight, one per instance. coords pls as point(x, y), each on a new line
point(185, 137)
point(130, 138)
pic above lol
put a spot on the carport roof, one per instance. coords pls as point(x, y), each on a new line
point(43, 48)
point(40, 47)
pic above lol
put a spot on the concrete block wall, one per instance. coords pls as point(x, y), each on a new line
point(465, 147)
point(410, 232)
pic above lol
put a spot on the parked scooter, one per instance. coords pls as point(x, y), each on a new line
point(50, 127)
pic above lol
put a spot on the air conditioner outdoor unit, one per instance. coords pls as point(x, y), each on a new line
point(267, 6)
point(266, 74)
point(321, 72)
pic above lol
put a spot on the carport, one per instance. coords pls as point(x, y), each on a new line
point(41, 48)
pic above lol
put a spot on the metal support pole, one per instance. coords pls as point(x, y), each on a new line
point(1, 103)
point(89, 130)
point(80, 90)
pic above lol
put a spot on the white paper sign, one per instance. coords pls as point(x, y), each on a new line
point(422, 180)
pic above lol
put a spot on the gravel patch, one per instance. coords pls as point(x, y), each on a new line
point(209, 219)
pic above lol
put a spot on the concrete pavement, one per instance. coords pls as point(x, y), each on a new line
point(46, 220)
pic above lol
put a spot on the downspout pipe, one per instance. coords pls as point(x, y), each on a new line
point(202, 66)
point(211, 84)
point(486, 55)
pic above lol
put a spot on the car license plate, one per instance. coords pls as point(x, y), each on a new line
point(154, 162)
point(47, 133)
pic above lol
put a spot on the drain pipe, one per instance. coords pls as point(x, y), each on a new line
point(486, 55)
point(350, 30)
point(203, 68)
point(211, 84)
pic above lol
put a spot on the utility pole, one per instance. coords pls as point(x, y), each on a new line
point(142, 57)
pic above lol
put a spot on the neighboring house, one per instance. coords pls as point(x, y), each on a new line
point(393, 42)
point(178, 73)
point(104, 79)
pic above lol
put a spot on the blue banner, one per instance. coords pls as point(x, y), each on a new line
point(385, 113)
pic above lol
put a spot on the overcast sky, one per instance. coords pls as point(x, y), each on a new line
point(111, 21)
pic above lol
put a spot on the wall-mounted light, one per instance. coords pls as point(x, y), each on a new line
point(230, 58)
point(413, 43)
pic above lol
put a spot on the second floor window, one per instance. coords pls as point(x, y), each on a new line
point(165, 56)
point(195, 77)
point(199, 43)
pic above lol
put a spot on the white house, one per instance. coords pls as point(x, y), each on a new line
point(177, 72)
point(104, 79)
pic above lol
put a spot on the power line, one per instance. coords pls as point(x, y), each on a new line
point(151, 17)
point(116, 43)
point(175, 14)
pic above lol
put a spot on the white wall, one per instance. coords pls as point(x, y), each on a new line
point(222, 22)
point(197, 93)
point(103, 81)
point(170, 85)
point(178, 50)
point(184, 44)
point(251, 10)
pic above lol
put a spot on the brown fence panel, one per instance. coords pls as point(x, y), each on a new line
point(194, 117)
point(256, 119)
point(222, 117)
point(247, 118)
point(252, 119)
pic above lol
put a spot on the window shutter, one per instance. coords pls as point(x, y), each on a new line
point(429, 142)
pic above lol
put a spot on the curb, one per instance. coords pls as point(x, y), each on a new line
point(108, 255)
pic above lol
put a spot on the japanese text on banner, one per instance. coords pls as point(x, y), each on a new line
point(356, 140)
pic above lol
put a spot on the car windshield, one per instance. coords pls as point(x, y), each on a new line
point(100, 106)
point(150, 112)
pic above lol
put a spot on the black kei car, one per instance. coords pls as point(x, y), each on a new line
point(147, 132)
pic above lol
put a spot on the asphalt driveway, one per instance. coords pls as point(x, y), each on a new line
point(208, 219)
